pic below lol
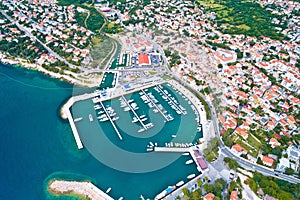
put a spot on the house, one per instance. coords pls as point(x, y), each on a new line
point(209, 196)
point(274, 142)
point(267, 160)
point(240, 131)
point(238, 149)
point(234, 195)
point(293, 156)
point(225, 56)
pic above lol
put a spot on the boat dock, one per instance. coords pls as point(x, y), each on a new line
point(166, 118)
point(171, 149)
point(135, 114)
point(171, 100)
point(111, 121)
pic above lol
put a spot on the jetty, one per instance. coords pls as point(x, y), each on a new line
point(171, 149)
point(66, 114)
point(86, 189)
point(111, 121)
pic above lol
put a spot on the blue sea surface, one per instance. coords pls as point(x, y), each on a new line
point(36, 145)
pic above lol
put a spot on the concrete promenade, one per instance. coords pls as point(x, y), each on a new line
point(171, 149)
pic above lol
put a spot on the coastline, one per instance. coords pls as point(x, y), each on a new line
point(5, 59)
point(81, 189)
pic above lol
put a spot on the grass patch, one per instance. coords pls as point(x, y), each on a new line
point(253, 152)
point(244, 27)
point(152, 72)
point(102, 49)
point(253, 142)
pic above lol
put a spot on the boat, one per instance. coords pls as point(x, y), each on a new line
point(112, 114)
point(141, 130)
point(115, 118)
point(126, 109)
point(108, 190)
point(189, 162)
point(149, 125)
point(103, 119)
point(91, 118)
point(173, 136)
point(134, 120)
point(144, 119)
point(178, 112)
point(142, 116)
point(97, 107)
point(101, 116)
point(191, 176)
point(186, 154)
point(165, 192)
point(180, 183)
point(121, 198)
point(100, 112)
point(151, 144)
point(131, 100)
point(149, 149)
point(78, 119)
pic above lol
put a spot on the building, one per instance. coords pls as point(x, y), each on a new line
point(234, 195)
point(144, 60)
point(202, 163)
point(209, 196)
point(267, 160)
point(238, 149)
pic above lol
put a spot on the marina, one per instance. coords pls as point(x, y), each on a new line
point(145, 108)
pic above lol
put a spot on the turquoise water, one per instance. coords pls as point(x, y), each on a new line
point(36, 145)
point(108, 80)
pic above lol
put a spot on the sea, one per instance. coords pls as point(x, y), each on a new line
point(37, 146)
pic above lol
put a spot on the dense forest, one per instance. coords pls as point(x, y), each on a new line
point(243, 17)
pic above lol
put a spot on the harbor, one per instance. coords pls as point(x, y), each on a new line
point(154, 112)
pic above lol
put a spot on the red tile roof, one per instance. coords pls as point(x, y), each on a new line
point(144, 59)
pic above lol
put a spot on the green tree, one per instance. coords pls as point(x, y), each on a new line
point(208, 188)
point(289, 171)
point(240, 55)
point(199, 182)
point(185, 191)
